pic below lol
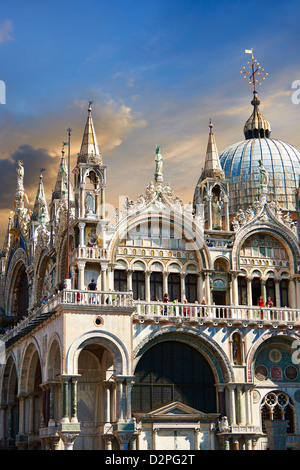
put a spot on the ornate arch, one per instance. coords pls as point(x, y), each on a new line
point(10, 378)
point(53, 365)
point(108, 341)
point(286, 239)
point(19, 261)
point(190, 229)
point(39, 276)
point(31, 359)
point(256, 346)
point(216, 357)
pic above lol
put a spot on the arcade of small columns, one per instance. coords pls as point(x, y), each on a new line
point(204, 284)
point(204, 278)
point(60, 397)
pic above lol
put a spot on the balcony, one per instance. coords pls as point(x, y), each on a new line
point(217, 314)
point(71, 298)
point(88, 253)
point(157, 312)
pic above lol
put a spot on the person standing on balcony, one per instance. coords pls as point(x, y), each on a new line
point(270, 304)
point(261, 304)
point(165, 301)
point(93, 286)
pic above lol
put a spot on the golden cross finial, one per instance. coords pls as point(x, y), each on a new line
point(255, 71)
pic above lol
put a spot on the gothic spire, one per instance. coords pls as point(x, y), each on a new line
point(89, 152)
point(40, 208)
point(212, 166)
point(61, 186)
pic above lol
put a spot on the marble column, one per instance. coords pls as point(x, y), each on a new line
point(240, 405)
point(103, 277)
point(235, 294)
point(209, 212)
point(81, 226)
point(182, 286)
point(165, 283)
point(292, 293)
point(231, 403)
point(21, 414)
point(249, 290)
point(263, 290)
point(81, 267)
point(207, 288)
point(277, 292)
point(65, 399)
point(129, 279)
point(248, 404)
point(147, 285)
point(74, 381)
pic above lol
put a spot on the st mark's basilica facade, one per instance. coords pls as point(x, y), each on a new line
point(162, 325)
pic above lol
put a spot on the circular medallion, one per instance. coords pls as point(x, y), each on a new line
point(275, 355)
point(261, 372)
point(256, 396)
point(291, 372)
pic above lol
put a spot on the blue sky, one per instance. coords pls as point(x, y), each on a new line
point(156, 71)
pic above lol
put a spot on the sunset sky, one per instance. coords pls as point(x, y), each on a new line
point(156, 70)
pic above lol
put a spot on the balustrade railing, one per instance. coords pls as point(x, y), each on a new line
point(217, 312)
point(199, 312)
point(94, 297)
point(92, 253)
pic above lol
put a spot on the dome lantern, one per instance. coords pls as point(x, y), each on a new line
point(257, 125)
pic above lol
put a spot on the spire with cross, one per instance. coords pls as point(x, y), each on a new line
point(255, 74)
point(256, 126)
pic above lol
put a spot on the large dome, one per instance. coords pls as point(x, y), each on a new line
point(240, 163)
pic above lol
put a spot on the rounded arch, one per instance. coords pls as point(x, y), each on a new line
point(192, 234)
point(107, 340)
point(216, 357)
point(174, 266)
point(53, 366)
point(17, 300)
point(191, 268)
point(138, 264)
point(31, 369)
point(10, 380)
point(44, 279)
point(122, 263)
point(222, 263)
point(289, 243)
point(155, 263)
point(171, 371)
point(285, 338)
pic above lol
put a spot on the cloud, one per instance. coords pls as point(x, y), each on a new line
point(6, 28)
point(34, 160)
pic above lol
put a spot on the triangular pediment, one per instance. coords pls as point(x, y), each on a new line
point(175, 409)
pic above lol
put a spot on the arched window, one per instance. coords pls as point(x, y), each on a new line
point(138, 285)
point(156, 286)
point(173, 371)
point(120, 280)
point(191, 287)
point(174, 286)
point(278, 406)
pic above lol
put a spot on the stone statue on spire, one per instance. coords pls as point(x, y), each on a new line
point(264, 181)
point(158, 166)
point(20, 176)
